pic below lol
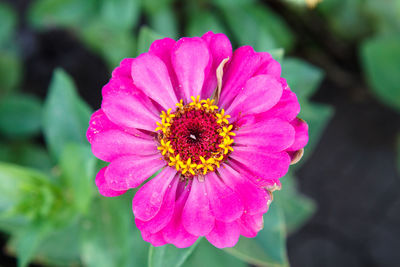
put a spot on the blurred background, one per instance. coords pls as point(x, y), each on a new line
point(340, 206)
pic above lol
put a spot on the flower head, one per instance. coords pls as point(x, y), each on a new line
point(221, 128)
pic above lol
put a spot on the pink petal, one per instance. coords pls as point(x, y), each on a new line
point(164, 216)
point(224, 235)
point(287, 108)
point(220, 48)
point(250, 225)
point(113, 144)
point(190, 59)
point(254, 199)
point(241, 68)
point(149, 198)
point(224, 202)
point(174, 232)
point(268, 65)
point(262, 165)
point(259, 94)
point(301, 138)
point(130, 171)
point(273, 135)
point(155, 239)
point(163, 49)
point(124, 69)
point(196, 216)
point(103, 187)
point(150, 75)
point(127, 106)
point(98, 123)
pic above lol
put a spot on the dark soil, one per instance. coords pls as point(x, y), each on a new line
point(351, 174)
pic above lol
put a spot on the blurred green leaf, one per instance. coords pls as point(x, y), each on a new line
point(152, 6)
point(297, 208)
point(258, 26)
point(385, 16)
point(302, 77)
point(203, 21)
point(120, 14)
point(77, 173)
point(381, 62)
point(346, 18)
point(109, 236)
point(145, 38)
point(268, 248)
point(207, 255)
point(60, 247)
point(60, 13)
point(20, 116)
point(277, 54)
point(66, 116)
point(10, 71)
point(114, 45)
point(169, 255)
point(317, 117)
point(26, 154)
point(28, 240)
point(164, 21)
point(8, 23)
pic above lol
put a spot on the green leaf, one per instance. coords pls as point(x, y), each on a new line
point(110, 237)
point(385, 17)
point(207, 255)
point(152, 6)
point(120, 14)
point(381, 60)
point(10, 71)
point(164, 21)
point(258, 26)
point(268, 248)
point(145, 38)
point(203, 21)
point(77, 173)
point(112, 44)
point(317, 117)
point(28, 240)
point(20, 116)
point(66, 116)
point(60, 247)
point(297, 208)
point(302, 77)
point(8, 23)
point(169, 255)
point(277, 54)
point(26, 154)
point(60, 13)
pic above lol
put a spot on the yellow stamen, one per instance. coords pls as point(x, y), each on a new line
point(206, 164)
point(188, 167)
point(226, 145)
point(167, 116)
point(163, 126)
point(196, 102)
point(180, 104)
point(165, 147)
point(208, 104)
point(226, 131)
point(222, 117)
point(175, 161)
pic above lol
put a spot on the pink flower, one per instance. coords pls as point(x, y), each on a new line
point(220, 126)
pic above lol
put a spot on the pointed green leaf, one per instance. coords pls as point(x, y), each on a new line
point(203, 21)
point(302, 77)
point(169, 255)
point(207, 255)
point(110, 237)
point(297, 208)
point(381, 61)
point(145, 38)
point(20, 116)
point(8, 23)
point(164, 21)
point(77, 173)
point(66, 116)
point(268, 248)
point(10, 71)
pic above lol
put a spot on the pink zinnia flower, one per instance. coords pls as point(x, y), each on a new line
point(221, 127)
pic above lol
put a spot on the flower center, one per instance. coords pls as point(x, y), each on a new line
point(196, 138)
